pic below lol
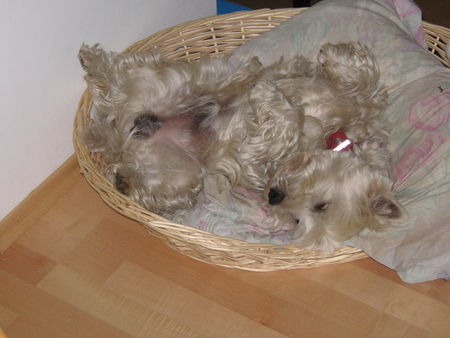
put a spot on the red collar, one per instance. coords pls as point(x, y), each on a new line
point(339, 141)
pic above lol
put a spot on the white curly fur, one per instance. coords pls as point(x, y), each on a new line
point(163, 124)
point(157, 162)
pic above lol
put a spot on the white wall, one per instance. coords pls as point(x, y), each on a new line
point(41, 80)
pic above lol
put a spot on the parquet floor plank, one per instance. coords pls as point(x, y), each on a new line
point(82, 270)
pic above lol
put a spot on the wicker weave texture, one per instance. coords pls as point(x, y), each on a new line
point(216, 35)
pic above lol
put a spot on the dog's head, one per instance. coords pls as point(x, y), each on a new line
point(153, 160)
point(332, 196)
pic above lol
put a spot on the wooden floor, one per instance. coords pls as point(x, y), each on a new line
point(82, 270)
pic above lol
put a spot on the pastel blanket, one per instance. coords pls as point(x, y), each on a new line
point(419, 110)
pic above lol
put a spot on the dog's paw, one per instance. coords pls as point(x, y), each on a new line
point(351, 56)
point(350, 68)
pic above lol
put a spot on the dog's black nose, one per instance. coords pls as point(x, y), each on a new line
point(276, 196)
point(145, 125)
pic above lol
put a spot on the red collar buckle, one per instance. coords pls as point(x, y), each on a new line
point(339, 141)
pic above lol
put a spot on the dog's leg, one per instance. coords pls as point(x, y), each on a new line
point(352, 70)
point(298, 66)
point(275, 132)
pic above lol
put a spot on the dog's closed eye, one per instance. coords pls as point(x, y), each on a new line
point(276, 196)
point(321, 207)
point(145, 125)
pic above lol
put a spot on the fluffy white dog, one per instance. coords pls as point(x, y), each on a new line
point(150, 121)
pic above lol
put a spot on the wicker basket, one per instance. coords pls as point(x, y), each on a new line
point(216, 35)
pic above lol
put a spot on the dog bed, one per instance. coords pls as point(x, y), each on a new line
point(222, 34)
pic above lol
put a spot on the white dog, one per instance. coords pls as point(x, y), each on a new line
point(150, 121)
point(314, 142)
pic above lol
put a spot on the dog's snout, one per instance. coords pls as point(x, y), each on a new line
point(276, 196)
point(145, 125)
point(121, 184)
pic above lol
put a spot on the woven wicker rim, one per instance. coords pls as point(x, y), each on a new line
point(217, 35)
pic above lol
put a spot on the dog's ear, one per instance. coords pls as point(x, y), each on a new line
point(98, 66)
point(387, 211)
